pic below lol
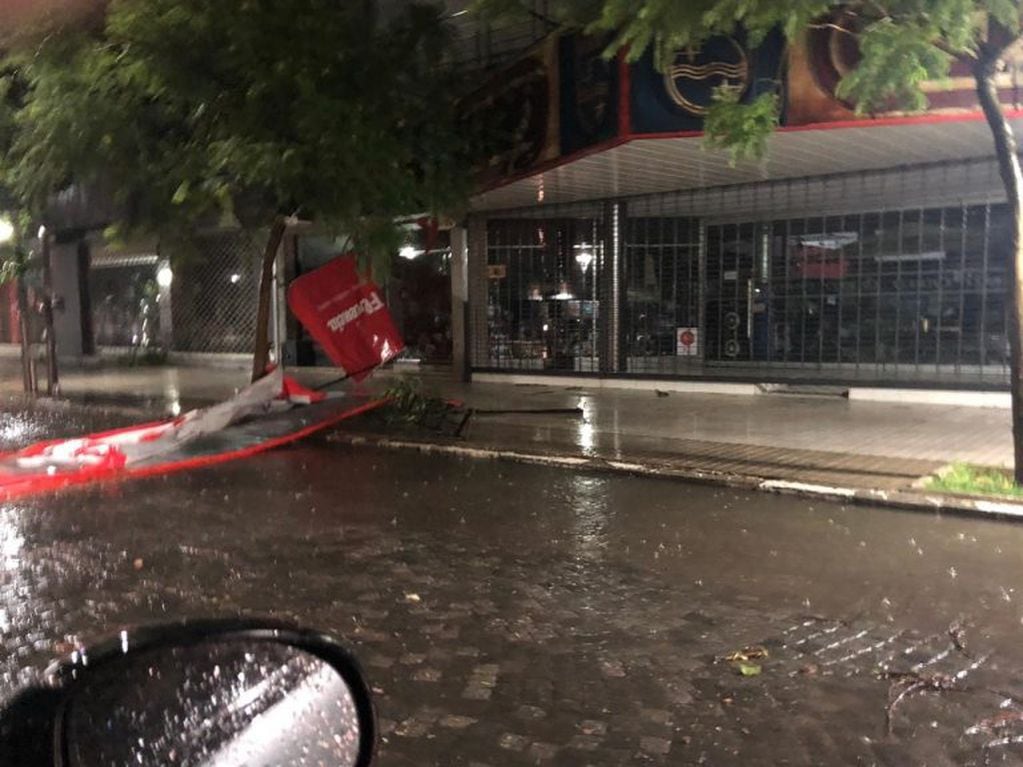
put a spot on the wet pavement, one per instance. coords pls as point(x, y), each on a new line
point(511, 614)
point(616, 420)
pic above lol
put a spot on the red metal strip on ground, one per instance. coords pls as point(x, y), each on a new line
point(39, 447)
point(45, 483)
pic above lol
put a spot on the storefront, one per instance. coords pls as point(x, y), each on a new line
point(897, 287)
point(869, 250)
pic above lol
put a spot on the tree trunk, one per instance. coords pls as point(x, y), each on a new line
point(261, 352)
point(1012, 178)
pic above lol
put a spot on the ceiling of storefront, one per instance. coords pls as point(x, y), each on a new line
point(646, 165)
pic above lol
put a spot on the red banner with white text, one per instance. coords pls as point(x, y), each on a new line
point(346, 316)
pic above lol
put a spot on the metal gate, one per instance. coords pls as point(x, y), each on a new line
point(543, 293)
point(908, 293)
point(774, 281)
point(214, 295)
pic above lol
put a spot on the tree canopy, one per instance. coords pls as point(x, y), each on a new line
point(241, 109)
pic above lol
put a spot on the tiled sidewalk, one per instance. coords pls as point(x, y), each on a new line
point(624, 423)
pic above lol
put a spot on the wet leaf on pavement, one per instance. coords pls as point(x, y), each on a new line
point(750, 669)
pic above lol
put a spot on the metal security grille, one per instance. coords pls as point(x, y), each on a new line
point(124, 297)
point(479, 42)
point(915, 293)
point(774, 281)
point(543, 293)
point(214, 294)
point(662, 300)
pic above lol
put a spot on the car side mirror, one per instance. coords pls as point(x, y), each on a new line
point(216, 693)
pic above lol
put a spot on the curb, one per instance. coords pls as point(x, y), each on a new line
point(910, 499)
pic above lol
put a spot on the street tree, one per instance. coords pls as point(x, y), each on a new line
point(902, 44)
point(248, 111)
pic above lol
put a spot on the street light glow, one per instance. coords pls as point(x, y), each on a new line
point(6, 231)
point(164, 277)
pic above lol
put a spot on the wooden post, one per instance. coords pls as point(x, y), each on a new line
point(261, 352)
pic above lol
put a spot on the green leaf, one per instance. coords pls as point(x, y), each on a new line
point(181, 193)
point(1005, 12)
point(750, 669)
point(742, 129)
point(193, 113)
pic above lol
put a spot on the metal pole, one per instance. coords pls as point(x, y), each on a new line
point(28, 384)
point(52, 384)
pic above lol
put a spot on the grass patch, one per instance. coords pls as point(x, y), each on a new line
point(976, 480)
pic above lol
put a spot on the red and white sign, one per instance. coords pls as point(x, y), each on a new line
point(687, 342)
point(346, 316)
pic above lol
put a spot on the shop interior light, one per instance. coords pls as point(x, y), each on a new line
point(829, 240)
point(408, 252)
point(584, 259)
point(164, 277)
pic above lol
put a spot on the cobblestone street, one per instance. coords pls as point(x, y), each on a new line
point(511, 615)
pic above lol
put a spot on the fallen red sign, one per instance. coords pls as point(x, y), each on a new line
point(346, 316)
point(272, 412)
point(343, 313)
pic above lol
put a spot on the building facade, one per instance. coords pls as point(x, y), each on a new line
point(871, 251)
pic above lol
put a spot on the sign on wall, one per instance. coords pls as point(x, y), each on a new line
point(687, 342)
point(829, 50)
point(678, 98)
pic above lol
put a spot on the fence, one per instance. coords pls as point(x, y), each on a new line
point(214, 294)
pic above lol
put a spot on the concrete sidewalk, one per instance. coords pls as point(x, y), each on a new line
point(623, 421)
point(819, 440)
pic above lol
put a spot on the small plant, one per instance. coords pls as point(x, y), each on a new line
point(411, 406)
point(976, 480)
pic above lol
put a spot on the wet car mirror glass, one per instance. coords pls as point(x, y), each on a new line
point(217, 703)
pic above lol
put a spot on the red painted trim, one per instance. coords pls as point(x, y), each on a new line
point(624, 95)
point(38, 485)
point(925, 119)
point(880, 122)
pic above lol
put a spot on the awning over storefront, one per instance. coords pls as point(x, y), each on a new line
point(643, 164)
